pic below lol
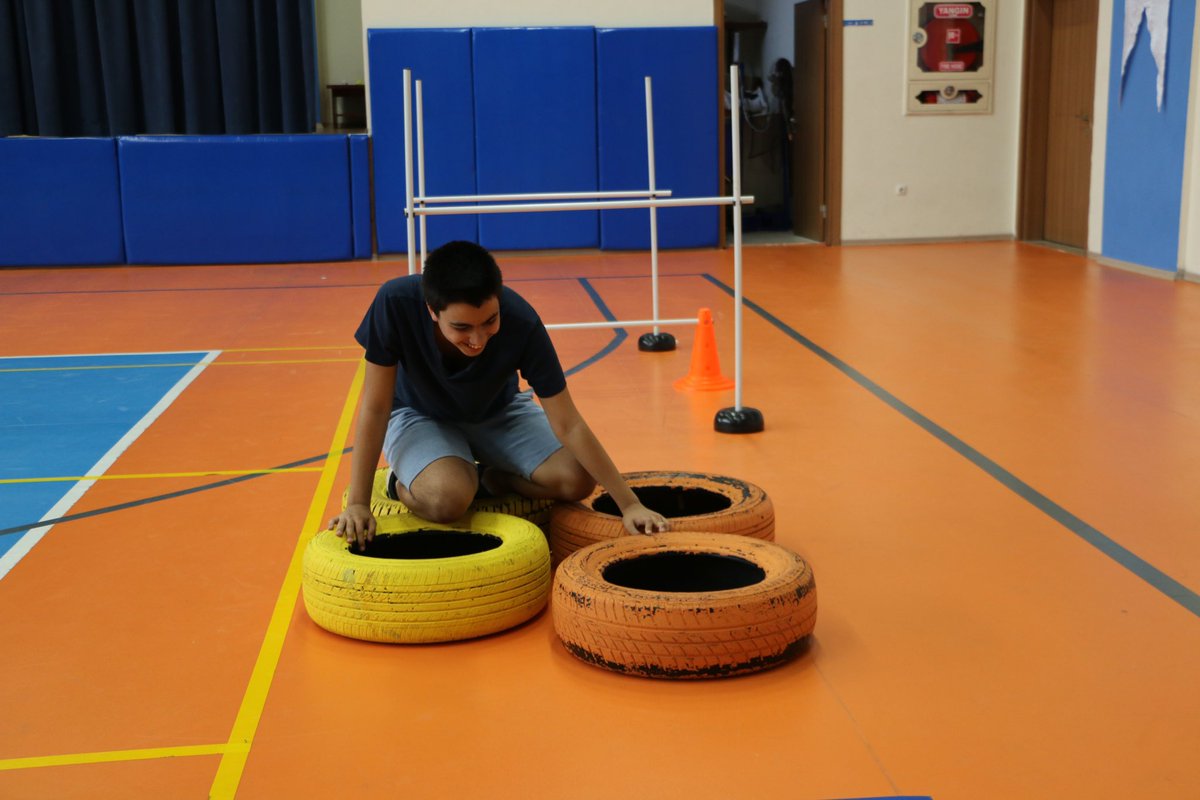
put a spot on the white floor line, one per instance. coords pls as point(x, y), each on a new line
point(34, 535)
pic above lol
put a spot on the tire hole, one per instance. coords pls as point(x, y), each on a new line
point(670, 501)
point(683, 572)
point(430, 544)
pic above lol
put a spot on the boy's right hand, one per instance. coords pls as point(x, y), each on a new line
point(356, 525)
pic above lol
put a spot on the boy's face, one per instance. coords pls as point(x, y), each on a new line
point(466, 327)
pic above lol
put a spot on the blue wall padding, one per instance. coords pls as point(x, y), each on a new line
point(235, 199)
point(441, 60)
point(1143, 174)
point(63, 204)
point(360, 194)
point(535, 123)
point(681, 63)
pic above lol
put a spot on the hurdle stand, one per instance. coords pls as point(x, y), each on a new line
point(656, 341)
point(737, 419)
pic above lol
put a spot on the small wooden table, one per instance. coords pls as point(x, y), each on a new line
point(348, 104)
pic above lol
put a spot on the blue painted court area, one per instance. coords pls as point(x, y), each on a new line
point(70, 416)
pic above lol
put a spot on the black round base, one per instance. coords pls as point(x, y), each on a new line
point(738, 420)
point(656, 342)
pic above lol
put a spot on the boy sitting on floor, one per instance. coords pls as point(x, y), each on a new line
point(442, 354)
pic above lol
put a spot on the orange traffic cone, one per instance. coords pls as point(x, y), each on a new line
point(705, 372)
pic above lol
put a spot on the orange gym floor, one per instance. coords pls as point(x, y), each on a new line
point(989, 452)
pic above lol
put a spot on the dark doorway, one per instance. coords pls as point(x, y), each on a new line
point(809, 208)
point(817, 124)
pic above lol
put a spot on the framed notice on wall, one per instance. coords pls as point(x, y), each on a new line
point(950, 57)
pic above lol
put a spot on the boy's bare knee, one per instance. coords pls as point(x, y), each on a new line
point(443, 508)
point(563, 478)
point(576, 485)
point(443, 491)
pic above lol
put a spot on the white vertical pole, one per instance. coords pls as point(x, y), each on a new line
point(735, 116)
point(421, 167)
point(653, 210)
point(408, 171)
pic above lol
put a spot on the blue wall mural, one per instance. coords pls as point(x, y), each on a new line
point(1143, 178)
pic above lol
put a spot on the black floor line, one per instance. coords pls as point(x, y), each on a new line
point(619, 334)
point(1129, 560)
point(95, 512)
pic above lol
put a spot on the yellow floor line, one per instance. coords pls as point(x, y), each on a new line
point(151, 475)
point(213, 364)
point(114, 755)
point(233, 761)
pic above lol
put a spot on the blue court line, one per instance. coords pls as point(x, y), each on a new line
point(1129, 560)
point(619, 334)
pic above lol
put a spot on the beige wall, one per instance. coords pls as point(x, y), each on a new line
point(960, 171)
point(339, 47)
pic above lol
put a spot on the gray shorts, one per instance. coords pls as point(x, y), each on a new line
point(516, 440)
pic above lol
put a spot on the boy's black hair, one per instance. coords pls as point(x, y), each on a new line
point(460, 272)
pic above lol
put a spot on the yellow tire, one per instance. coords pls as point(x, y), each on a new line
point(536, 511)
point(423, 582)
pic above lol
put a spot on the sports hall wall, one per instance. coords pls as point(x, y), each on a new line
point(206, 199)
point(961, 172)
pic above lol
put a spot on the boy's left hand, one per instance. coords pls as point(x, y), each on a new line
point(640, 520)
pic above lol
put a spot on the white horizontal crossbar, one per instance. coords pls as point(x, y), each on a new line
point(473, 198)
point(513, 208)
point(621, 323)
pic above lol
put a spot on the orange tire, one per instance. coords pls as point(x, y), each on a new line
point(692, 501)
point(684, 605)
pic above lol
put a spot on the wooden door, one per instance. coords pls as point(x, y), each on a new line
point(809, 207)
point(1069, 138)
point(1057, 155)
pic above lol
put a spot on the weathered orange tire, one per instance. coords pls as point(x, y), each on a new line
point(536, 511)
point(684, 605)
point(692, 501)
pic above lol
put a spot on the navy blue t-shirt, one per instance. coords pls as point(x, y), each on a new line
point(397, 330)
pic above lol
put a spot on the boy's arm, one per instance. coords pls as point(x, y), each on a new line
point(571, 429)
point(356, 523)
